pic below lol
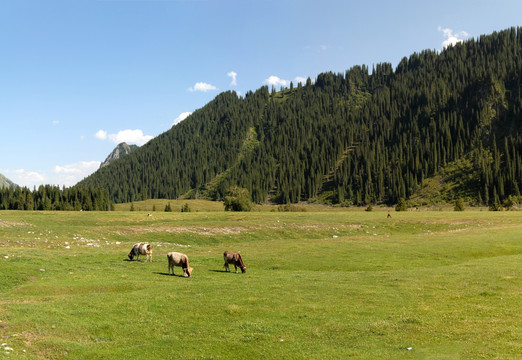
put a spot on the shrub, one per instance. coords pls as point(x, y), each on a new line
point(401, 205)
point(369, 208)
point(290, 208)
point(495, 207)
point(459, 205)
point(168, 208)
point(186, 208)
point(237, 199)
point(512, 202)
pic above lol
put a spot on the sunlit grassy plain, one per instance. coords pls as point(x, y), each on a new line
point(319, 285)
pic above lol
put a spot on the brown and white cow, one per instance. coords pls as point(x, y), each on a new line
point(181, 260)
point(231, 257)
point(141, 249)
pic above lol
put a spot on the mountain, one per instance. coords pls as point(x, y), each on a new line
point(6, 183)
point(118, 152)
point(450, 121)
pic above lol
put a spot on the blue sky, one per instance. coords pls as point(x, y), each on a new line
point(79, 76)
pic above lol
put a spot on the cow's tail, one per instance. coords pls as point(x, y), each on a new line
point(149, 251)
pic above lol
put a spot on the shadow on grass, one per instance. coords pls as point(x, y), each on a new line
point(167, 274)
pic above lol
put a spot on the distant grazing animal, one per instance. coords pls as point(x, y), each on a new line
point(181, 260)
point(141, 249)
point(231, 257)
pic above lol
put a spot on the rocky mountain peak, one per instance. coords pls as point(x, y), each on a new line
point(5, 182)
point(118, 152)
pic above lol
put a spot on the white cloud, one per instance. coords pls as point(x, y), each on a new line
point(276, 81)
point(300, 79)
point(101, 134)
point(71, 174)
point(131, 137)
point(23, 177)
point(55, 122)
point(66, 175)
point(201, 86)
point(317, 48)
point(451, 37)
point(233, 75)
point(181, 117)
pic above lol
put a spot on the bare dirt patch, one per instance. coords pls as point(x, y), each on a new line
point(4, 223)
point(196, 230)
point(222, 230)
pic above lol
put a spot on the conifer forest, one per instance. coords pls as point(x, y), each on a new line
point(366, 136)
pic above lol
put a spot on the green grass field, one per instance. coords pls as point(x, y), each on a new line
point(319, 285)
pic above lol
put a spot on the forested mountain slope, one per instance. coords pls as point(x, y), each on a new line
point(354, 138)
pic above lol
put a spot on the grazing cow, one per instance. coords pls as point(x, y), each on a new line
point(141, 249)
point(181, 260)
point(231, 257)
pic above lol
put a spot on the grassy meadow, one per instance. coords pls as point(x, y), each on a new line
point(319, 285)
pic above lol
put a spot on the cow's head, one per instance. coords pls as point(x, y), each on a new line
point(243, 269)
point(188, 271)
point(131, 255)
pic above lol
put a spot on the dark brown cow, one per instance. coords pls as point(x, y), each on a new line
point(231, 257)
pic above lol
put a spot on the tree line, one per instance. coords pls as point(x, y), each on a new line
point(359, 137)
point(50, 197)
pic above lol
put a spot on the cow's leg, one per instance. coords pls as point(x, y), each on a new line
point(226, 267)
point(235, 266)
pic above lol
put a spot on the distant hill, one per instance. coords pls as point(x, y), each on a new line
point(359, 137)
point(118, 152)
point(6, 183)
